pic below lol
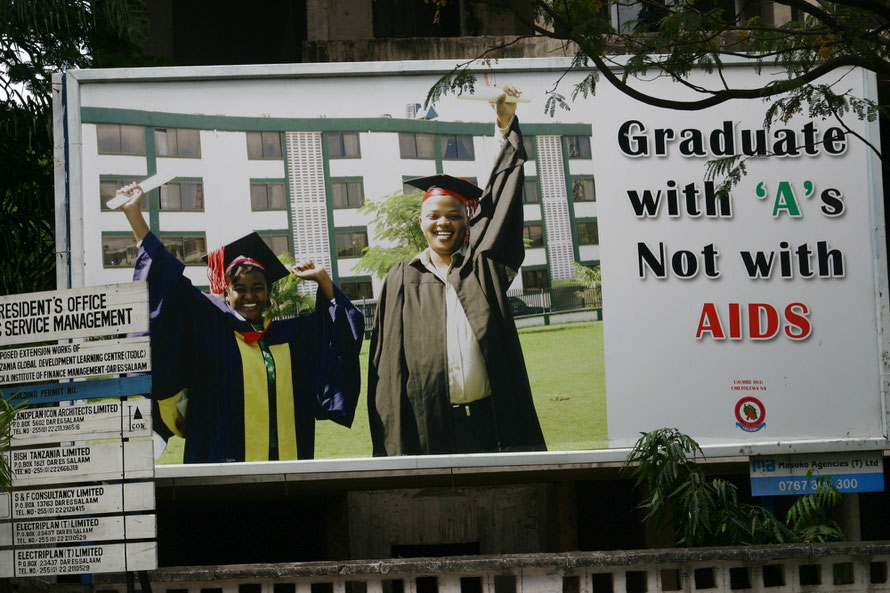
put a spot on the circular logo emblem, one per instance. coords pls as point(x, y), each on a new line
point(750, 414)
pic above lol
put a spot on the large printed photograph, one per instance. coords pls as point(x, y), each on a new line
point(454, 278)
point(496, 349)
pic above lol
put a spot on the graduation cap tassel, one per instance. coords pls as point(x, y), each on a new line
point(216, 273)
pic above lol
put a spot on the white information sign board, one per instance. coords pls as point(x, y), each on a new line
point(92, 499)
point(744, 318)
point(77, 529)
point(103, 420)
point(74, 361)
point(82, 463)
point(34, 562)
point(77, 313)
point(94, 453)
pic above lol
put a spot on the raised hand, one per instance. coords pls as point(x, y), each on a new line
point(307, 270)
point(133, 196)
point(504, 109)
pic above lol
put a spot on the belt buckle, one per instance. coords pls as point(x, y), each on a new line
point(466, 408)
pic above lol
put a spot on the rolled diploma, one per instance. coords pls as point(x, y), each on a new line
point(147, 184)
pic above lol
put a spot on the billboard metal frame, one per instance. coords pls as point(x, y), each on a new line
point(70, 273)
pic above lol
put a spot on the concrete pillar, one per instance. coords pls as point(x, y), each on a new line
point(317, 20)
point(847, 516)
point(330, 20)
point(777, 14)
point(449, 583)
point(565, 497)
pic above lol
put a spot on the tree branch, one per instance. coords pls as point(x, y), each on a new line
point(719, 97)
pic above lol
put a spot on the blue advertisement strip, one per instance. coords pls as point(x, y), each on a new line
point(780, 485)
point(58, 392)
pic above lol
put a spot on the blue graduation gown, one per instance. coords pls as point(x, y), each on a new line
point(196, 344)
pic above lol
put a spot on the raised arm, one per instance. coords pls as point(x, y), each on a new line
point(132, 209)
point(497, 231)
point(332, 358)
point(307, 270)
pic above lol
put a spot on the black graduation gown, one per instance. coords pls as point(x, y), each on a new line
point(408, 404)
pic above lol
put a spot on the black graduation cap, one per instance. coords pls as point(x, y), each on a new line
point(458, 187)
point(249, 246)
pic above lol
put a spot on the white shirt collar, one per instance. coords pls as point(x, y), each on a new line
point(424, 256)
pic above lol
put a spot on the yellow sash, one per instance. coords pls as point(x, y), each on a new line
point(256, 402)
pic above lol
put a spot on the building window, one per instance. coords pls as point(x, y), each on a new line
point(535, 279)
point(267, 196)
point(416, 146)
point(119, 251)
point(530, 192)
point(279, 243)
point(357, 289)
point(182, 195)
point(120, 139)
point(263, 145)
point(344, 145)
point(529, 143)
point(188, 248)
point(108, 187)
point(458, 148)
point(177, 142)
point(348, 194)
point(534, 235)
point(583, 190)
point(579, 147)
point(588, 233)
point(351, 243)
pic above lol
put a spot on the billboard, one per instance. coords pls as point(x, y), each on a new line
point(753, 321)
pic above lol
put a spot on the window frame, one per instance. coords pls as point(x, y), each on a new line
point(536, 270)
point(531, 180)
point(166, 236)
point(283, 233)
point(263, 156)
point(177, 154)
point(121, 180)
point(121, 152)
point(266, 183)
point(131, 246)
point(530, 224)
point(342, 135)
point(585, 147)
point(345, 282)
point(582, 178)
point(338, 232)
point(182, 181)
point(414, 136)
point(337, 181)
point(529, 142)
point(443, 145)
point(587, 221)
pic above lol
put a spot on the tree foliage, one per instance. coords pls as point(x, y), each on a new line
point(585, 276)
point(38, 38)
point(285, 298)
point(673, 39)
point(396, 218)
point(706, 511)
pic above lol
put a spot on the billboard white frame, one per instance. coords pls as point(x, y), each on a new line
point(69, 199)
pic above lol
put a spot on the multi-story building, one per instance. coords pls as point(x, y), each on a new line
point(300, 183)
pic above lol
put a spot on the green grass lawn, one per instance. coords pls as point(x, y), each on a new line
point(565, 365)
